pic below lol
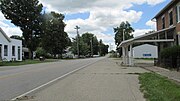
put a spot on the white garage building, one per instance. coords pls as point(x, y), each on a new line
point(145, 51)
point(10, 49)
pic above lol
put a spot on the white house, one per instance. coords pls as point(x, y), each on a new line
point(10, 49)
point(145, 51)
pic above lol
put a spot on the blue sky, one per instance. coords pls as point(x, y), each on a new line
point(99, 16)
point(148, 13)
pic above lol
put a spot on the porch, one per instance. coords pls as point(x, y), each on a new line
point(163, 38)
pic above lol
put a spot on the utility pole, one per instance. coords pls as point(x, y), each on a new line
point(123, 49)
point(123, 34)
point(77, 29)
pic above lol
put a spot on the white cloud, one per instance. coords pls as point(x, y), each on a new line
point(2, 17)
point(100, 21)
point(9, 28)
point(154, 2)
point(104, 15)
point(74, 6)
point(152, 24)
point(12, 31)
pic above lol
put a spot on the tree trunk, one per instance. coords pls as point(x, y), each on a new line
point(54, 56)
point(31, 55)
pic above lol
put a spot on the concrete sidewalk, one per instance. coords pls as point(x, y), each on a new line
point(102, 81)
point(173, 75)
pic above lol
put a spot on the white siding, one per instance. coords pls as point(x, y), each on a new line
point(12, 42)
point(16, 43)
point(145, 51)
point(3, 39)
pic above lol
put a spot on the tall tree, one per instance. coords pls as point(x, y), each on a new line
point(124, 27)
point(88, 38)
point(103, 49)
point(55, 39)
point(95, 46)
point(83, 47)
point(25, 14)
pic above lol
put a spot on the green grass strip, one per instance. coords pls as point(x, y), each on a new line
point(18, 63)
point(158, 88)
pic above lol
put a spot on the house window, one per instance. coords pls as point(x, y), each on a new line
point(19, 53)
point(5, 50)
point(13, 50)
point(178, 13)
point(163, 22)
point(170, 18)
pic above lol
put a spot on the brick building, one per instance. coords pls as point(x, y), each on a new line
point(167, 34)
point(169, 17)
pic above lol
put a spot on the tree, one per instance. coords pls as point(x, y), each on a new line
point(55, 39)
point(25, 14)
point(127, 29)
point(88, 38)
point(83, 47)
point(103, 49)
point(95, 46)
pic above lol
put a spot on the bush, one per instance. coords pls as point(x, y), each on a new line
point(40, 52)
point(171, 52)
point(170, 57)
point(114, 55)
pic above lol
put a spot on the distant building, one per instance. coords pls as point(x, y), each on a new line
point(10, 49)
point(145, 51)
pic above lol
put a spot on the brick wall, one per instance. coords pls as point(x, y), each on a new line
point(166, 15)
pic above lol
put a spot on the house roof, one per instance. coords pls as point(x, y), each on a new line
point(165, 8)
point(4, 34)
point(130, 41)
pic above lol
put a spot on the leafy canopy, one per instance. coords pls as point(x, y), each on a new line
point(126, 26)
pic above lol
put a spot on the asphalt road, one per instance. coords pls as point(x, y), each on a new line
point(18, 80)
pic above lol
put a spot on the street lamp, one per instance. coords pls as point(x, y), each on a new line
point(77, 29)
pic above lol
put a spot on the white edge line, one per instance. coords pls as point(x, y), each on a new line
point(56, 79)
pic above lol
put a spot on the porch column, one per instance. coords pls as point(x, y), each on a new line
point(123, 54)
point(126, 55)
point(131, 56)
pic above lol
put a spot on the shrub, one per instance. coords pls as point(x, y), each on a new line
point(40, 52)
point(170, 57)
point(171, 52)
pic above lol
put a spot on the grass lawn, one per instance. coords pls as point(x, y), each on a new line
point(36, 61)
point(158, 88)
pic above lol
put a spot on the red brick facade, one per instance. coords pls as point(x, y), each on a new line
point(173, 7)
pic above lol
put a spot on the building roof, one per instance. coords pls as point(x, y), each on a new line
point(4, 34)
point(130, 41)
point(165, 8)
